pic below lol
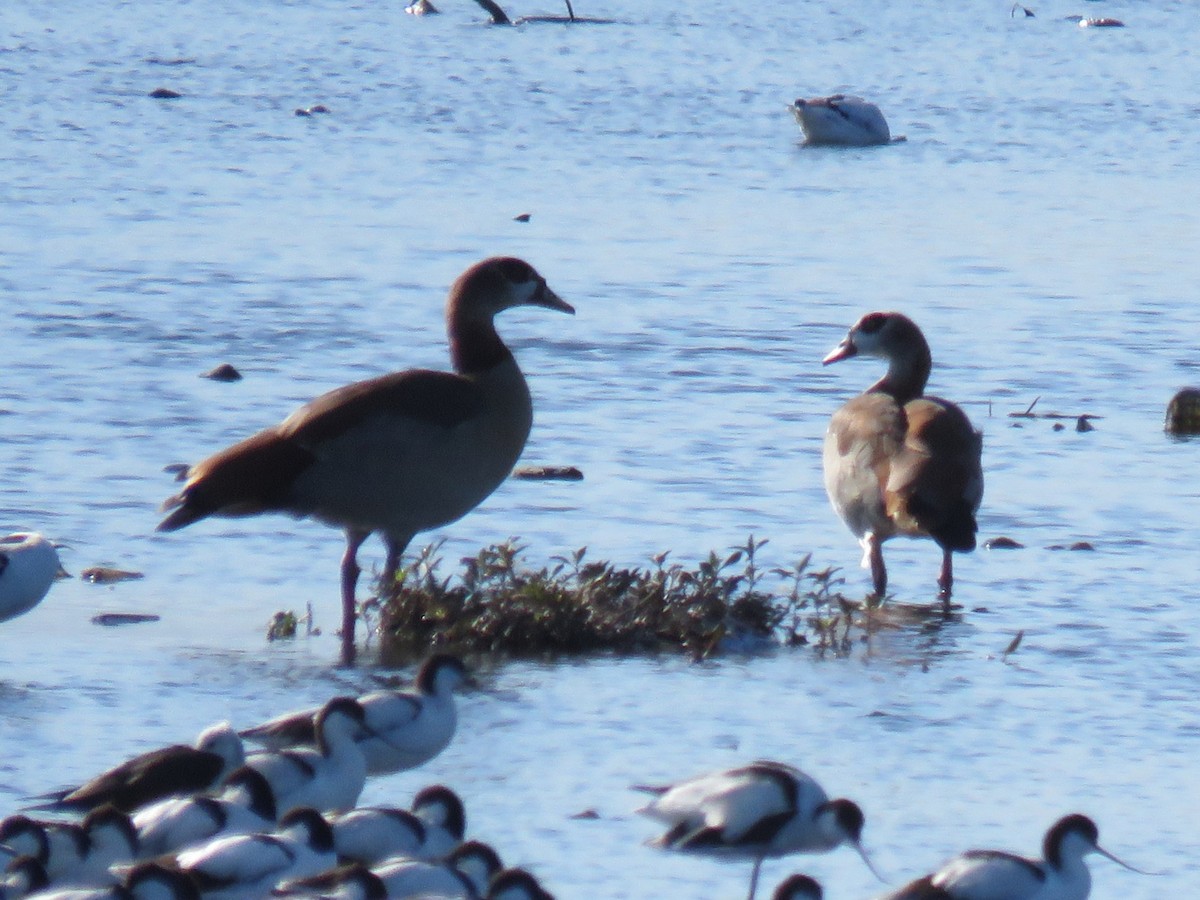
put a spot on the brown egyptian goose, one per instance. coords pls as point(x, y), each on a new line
point(398, 454)
point(896, 461)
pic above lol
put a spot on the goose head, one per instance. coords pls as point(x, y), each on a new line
point(894, 337)
point(499, 283)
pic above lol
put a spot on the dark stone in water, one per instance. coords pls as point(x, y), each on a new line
point(1183, 412)
point(106, 575)
point(548, 473)
point(165, 94)
point(110, 620)
point(223, 372)
point(1002, 543)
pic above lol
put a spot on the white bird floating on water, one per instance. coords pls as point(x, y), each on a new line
point(843, 120)
point(989, 874)
point(405, 728)
point(765, 809)
point(167, 772)
point(398, 454)
point(28, 566)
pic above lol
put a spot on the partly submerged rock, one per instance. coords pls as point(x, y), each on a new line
point(1183, 412)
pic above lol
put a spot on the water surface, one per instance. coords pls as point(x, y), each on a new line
point(1039, 223)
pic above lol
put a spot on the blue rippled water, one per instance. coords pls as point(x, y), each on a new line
point(1039, 222)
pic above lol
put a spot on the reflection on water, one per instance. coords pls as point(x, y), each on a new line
point(1037, 224)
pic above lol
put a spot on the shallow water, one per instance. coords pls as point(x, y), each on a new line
point(1039, 222)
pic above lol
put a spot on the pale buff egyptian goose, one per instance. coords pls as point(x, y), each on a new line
point(898, 462)
point(399, 454)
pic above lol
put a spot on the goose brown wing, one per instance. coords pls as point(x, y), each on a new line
point(432, 398)
point(936, 481)
point(257, 474)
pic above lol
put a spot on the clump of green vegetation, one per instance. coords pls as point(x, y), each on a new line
point(575, 605)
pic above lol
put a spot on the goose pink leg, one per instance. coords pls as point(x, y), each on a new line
point(350, 570)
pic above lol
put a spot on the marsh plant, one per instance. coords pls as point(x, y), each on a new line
point(498, 603)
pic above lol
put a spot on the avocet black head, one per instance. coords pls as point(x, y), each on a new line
point(798, 887)
point(441, 674)
point(439, 805)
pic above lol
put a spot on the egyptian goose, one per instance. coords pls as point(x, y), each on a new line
point(987, 874)
point(399, 454)
point(896, 461)
point(28, 566)
point(841, 119)
point(765, 809)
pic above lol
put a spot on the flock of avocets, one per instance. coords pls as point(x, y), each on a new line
point(214, 820)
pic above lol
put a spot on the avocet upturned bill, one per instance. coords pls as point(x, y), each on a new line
point(1061, 874)
point(765, 809)
point(406, 728)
